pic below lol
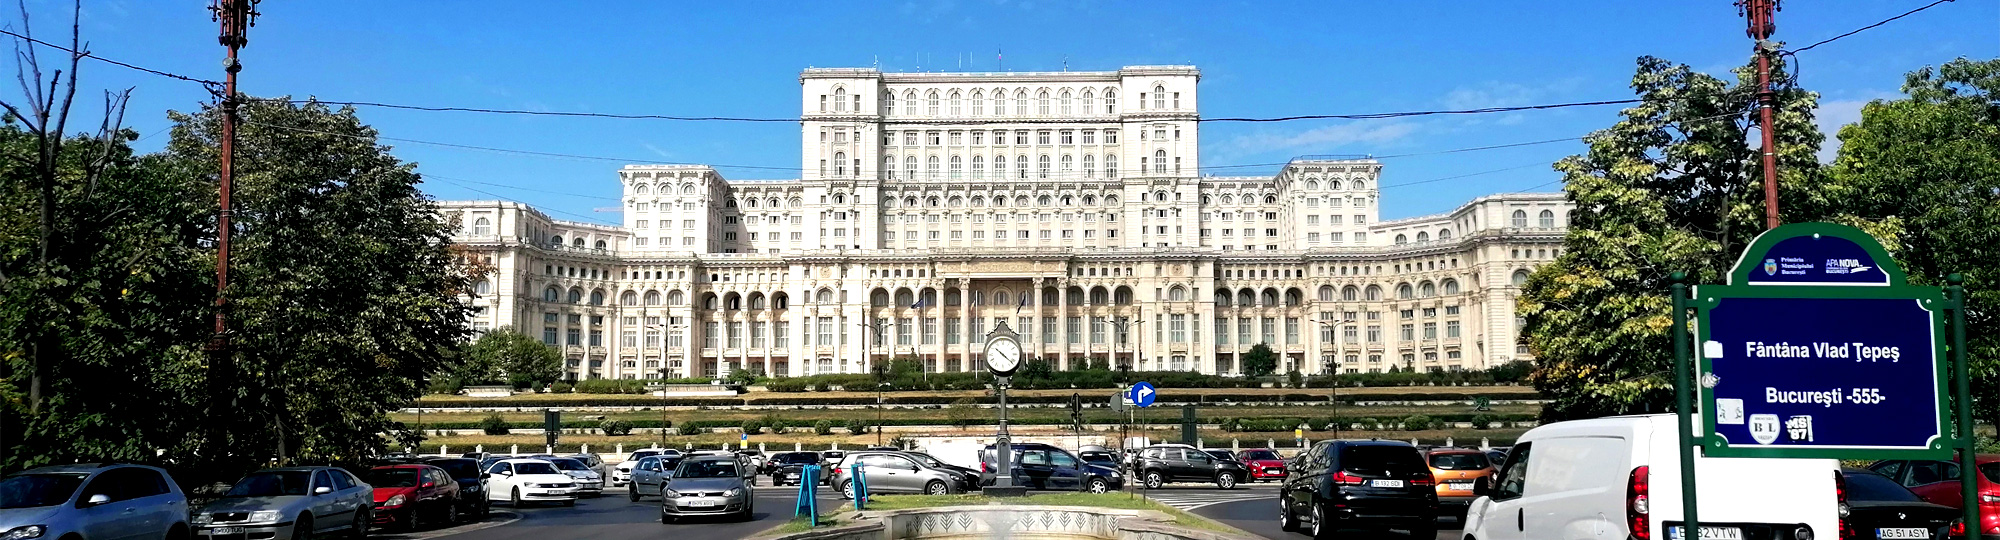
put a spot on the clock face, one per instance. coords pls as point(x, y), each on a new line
point(1003, 355)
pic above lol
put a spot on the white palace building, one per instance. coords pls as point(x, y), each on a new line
point(1072, 205)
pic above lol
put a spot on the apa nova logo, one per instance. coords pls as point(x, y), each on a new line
point(1770, 266)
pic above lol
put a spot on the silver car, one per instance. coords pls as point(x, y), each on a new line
point(289, 503)
point(587, 479)
point(895, 472)
point(92, 501)
point(708, 486)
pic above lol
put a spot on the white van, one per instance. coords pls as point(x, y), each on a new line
point(1619, 478)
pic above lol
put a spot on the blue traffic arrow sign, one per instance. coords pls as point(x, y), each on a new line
point(1141, 394)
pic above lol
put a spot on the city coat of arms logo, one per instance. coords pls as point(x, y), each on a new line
point(1770, 266)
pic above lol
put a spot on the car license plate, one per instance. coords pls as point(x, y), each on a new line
point(553, 493)
point(1709, 533)
point(1458, 486)
point(221, 531)
point(1274, 471)
point(1386, 483)
point(700, 504)
point(1903, 533)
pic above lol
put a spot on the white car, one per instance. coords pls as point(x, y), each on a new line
point(529, 480)
point(622, 474)
point(1619, 477)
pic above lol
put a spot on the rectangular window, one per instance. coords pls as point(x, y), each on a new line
point(1243, 331)
point(1097, 330)
point(1269, 325)
point(708, 334)
point(735, 335)
point(779, 334)
point(826, 331)
point(1049, 330)
point(1221, 330)
point(902, 330)
point(1177, 328)
point(978, 328)
point(1074, 327)
point(575, 336)
point(1409, 332)
point(1430, 330)
point(951, 331)
point(549, 335)
point(930, 334)
point(1451, 329)
point(1291, 330)
point(1374, 334)
point(1067, 137)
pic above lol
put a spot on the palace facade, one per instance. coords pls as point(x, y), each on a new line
point(1073, 206)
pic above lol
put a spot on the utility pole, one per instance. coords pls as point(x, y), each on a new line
point(236, 18)
point(1762, 17)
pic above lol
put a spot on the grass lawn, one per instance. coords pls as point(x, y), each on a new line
point(801, 524)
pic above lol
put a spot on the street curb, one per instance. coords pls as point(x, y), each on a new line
point(462, 529)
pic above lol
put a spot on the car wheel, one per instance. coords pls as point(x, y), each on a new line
point(452, 514)
point(1097, 485)
point(302, 528)
point(485, 508)
point(1286, 522)
point(847, 490)
point(633, 494)
point(1225, 480)
point(514, 498)
point(359, 529)
point(937, 487)
point(179, 532)
point(1321, 529)
point(666, 519)
point(1153, 480)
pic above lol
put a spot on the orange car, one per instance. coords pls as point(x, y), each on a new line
point(1456, 471)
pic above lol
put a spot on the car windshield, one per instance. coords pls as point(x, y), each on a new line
point(32, 490)
point(568, 464)
point(534, 467)
point(1098, 457)
point(642, 453)
point(1381, 460)
point(1868, 486)
point(801, 458)
point(392, 478)
point(271, 484)
point(925, 459)
point(1220, 454)
point(1261, 454)
point(457, 468)
point(1458, 462)
point(707, 468)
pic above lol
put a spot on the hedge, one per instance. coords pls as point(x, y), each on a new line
point(1167, 397)
point(1317, 423)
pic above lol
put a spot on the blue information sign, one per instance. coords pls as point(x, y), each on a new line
point(1141, 394)
point(1824, 372)
point(1819, 348)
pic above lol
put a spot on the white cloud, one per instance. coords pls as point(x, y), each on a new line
point(1325, 138)
point(1506, 94)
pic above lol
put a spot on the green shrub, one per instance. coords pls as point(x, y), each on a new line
point(778, 425)
point(693, 428)
point(561, 387)
point(1483, 421)
point(856, 427)
point(1370, 424)
point(494, 425)
point(823, 427)
point(753, 426)
point(616, 427)
point(1417, 422)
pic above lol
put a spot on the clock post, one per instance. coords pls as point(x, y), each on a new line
point(1003, 356)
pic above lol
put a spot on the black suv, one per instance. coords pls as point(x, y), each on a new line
point(789, 467)
point(471, 480)
point(1360, 484)
point(1182, 463)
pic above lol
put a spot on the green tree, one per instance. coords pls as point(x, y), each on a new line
point(1670, 188)
point(1926, 168)
point(513, 357)
point(1260, 361)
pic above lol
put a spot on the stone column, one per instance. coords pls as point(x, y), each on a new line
point(1062, 322)
point(965, 322)
point(1035, 319)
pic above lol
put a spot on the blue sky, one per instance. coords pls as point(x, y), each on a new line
point(743, 59)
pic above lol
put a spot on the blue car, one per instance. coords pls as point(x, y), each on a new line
point(1046, 467)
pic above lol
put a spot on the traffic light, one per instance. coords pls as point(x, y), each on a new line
point(1076, 410)
point(551, 424)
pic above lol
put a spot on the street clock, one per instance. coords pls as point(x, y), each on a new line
point(1003, 351)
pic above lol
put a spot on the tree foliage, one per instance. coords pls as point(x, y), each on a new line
point(1926, 167)
point(510, 357)
point(1672, 187)
point(1260, 361)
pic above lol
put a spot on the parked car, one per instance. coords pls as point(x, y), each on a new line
point(623, 472)
point(789, 467)
point(1220, 454)
point(290, 503)
point(1498, 456)
point(969, 476)
point(894, 472)
point(831, 457)
point(1599, 474)
point(471, 480)
point(1363, 484)
point(1457, 472)
point(408, 494)
point(595, 462)
point(588, 482)
point(1264, 464)
point(755, 458)
point(1160, 464)
point(651, 474)
point(92, 501)
point(1938, 482)
point(1041, 466)
point(520, 481)
point(708, 486)
point(1105, 458)
point(1876, 507)
point(476, 456)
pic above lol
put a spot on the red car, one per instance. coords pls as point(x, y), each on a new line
point(1936, 482)
point(1264, 464)
point(407, 494)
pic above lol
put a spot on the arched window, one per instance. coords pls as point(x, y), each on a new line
point(888, 103)
point(1444, 235)
point(576, 295)
point(1064, 102)
point(1520, 277)
point(597, 297)
point(1160, 196)
point(1089, 166)
point(910, 167)
point(1404, 292)
point(1000, 298)
point(840, 164)
point(839, 198)
point(482, 227)
point(1021, 164)
point(1177, 294)
point(931, 103)
point(909, 202)
point(957, 202)
point(910, 102)
point(1021, 102)
point(1068, 165)
point(931, 167)
point(1042, 103)
point(1270, 199)
point(1350, 293)
point(1326, 293)
point(1090, 200)
point(978, 166)
point(1160, 161)
point(552, 294)
point(1159, 97)
point(1426, 290)
point(1402, 239)
point(1222, 298)
point(999, 102)
point(652, 298)
point(956, 167)
point(889, 167)
point(1246, 298)
point(1520, 218)
point(1089, 102)
point(641, 189)
point(752, 202)
point(1547, 220)
point(931, 202)
point(825, 296)
point(1110, 101)
point(1111, 166)
point(1333, 185)
point(628, 298)
point(840, 99)
point(1021, 200)
point(1042, 166)
point(1423, 237)
point(557, 240)
point(955, 111)
point(978, 102)
point(1042, 200)
point(1312, 185)
point(1228, 199)
point(1450, 286)
point(1374, 293)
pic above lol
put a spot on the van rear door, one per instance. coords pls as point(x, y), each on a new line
point(1747, 494)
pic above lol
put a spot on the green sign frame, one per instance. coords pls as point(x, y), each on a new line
point(1931, 299)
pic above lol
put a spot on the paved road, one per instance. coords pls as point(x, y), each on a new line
point(614, 517)
point(1254, 508)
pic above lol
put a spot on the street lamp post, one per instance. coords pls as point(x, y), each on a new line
point(1333, 377)
point(1124, 329)
point(881, 374)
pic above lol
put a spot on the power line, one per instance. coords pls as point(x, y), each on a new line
point(110, 61)
point(549, 113)
point(1866, 28)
